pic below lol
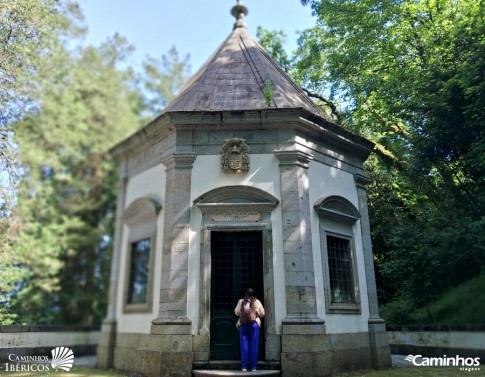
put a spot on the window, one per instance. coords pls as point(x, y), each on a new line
point(140, 218)
point(340, 270)
point(337, 222)
point(139, 272)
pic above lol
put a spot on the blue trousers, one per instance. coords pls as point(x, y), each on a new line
point(249, 342)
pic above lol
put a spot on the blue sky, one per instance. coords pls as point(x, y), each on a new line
point(193, 27)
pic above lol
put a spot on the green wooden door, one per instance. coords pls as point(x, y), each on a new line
point(237, 264)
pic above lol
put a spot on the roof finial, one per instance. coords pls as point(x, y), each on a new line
point(239, 11)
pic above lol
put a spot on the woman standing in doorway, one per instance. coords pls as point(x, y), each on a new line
point(250, 311)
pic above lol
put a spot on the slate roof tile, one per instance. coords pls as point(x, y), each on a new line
point(234, 79)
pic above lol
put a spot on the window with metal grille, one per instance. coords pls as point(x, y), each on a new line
point(139, 271)
point(340, 270)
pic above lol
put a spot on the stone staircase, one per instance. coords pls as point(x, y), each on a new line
point(232, 368)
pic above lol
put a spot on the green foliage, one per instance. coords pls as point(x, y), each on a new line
point(403, 311)
point(67, 189)
point(410, 76)
point(78, 103)
point(273, 42)
point(29, 31)
point(163, 78)
point(268, 92)
point(462, 304)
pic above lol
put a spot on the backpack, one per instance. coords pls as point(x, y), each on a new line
point(248, 312)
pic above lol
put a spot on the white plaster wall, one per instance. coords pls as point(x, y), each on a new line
point(325, 181)
point(148, 184)
point(264, 174)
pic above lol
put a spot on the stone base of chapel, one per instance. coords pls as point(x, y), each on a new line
point(308, 354)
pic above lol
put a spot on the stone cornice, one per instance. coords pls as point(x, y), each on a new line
point(338, 209)
point(179, 160)
point(282, 118)
point(361, 181)
point(293, 158)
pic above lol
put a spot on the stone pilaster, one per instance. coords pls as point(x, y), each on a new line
point(380, 350)
point(105, 351)
point(172, 322)
point(301, 325)
point(174, 277)
point(297, 242)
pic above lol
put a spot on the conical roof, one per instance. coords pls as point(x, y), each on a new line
point(234, 78)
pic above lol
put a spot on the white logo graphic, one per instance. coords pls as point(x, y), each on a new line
point(411, 358)
point(446, 361)
point(62, 358)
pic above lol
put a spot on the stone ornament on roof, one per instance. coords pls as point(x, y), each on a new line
point(235, 156)
point(239, 11)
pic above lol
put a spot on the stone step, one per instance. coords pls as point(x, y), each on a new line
point(233, 365)
point(232, 368)
point(233, 373)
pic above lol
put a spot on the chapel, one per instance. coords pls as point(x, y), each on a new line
point(242, 181)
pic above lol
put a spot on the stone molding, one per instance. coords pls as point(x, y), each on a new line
point(337, 208)
point(179, 160)
point(236, 198)
point(337, 217)
point(140, 211)
point(361, 181)
point(141, 218)
point(293, 158)
point(334, 145)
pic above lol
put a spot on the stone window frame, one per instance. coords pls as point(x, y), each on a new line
point(141, 219)
point(337, 218)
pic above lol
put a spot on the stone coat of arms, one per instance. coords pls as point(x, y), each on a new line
point(235, 156)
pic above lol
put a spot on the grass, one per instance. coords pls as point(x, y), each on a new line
point(462, 304)
point(416, 372)
point(74, 372)
point(398, 372)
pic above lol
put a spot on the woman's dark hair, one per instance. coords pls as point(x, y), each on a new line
point(249, 293)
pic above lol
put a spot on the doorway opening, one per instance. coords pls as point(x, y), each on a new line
point(236, 265)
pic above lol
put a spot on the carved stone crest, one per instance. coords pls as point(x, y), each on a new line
point(235, 156)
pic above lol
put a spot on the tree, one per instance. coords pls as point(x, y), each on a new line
point(29, 30)
point(273, 42)
point(66, 196)
point(69, 111)
point(162, 79)
point(409, 76)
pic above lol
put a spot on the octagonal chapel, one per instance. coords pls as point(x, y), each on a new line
point(242, 181)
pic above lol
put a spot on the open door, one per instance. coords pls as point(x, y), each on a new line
point(237, 264)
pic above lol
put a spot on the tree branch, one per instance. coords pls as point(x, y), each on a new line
point(330, 104)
